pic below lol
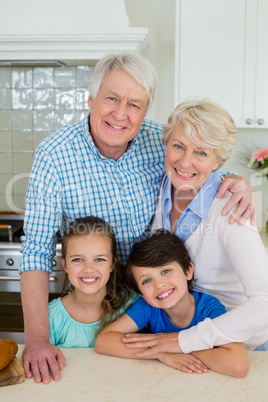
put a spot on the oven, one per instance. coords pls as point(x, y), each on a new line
point(11, 317)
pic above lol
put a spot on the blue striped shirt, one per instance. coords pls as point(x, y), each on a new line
point(70, 179)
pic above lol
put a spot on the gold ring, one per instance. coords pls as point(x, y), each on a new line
point(148, 345)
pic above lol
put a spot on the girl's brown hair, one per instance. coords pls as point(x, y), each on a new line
point(117, 293)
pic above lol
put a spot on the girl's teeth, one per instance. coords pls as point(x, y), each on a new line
point(88, 280)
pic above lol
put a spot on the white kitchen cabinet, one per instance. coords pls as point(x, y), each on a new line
point(222, 53)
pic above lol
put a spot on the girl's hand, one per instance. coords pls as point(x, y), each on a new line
point(243, 198)
point(184, 362)
point(154, 343)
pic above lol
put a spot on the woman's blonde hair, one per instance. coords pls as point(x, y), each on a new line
point(205, 124)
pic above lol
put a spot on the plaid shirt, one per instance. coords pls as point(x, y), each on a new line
point(70, 179)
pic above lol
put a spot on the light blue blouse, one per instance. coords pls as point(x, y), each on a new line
point(196, 211)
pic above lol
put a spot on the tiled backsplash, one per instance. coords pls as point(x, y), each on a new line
point(34, 102)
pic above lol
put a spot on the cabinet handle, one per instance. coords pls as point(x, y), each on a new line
point(249, 121)
point(260, 122)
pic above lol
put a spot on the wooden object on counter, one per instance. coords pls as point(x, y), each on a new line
point(13, 373)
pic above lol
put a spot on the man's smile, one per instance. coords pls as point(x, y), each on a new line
point(114, 126)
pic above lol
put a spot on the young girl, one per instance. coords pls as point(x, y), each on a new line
point(160, 269)
point(93, 294)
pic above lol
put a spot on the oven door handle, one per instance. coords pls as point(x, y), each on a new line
point(9, 231)
point(17, 278)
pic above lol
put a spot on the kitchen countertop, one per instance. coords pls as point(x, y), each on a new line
point(90, 376)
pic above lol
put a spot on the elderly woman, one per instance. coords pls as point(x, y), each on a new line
point(231, 262)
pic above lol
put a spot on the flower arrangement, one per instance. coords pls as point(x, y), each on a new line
point(259, 161)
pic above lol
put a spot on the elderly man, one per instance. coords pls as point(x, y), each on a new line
point(109, 165)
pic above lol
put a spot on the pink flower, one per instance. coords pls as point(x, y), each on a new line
point(261, 154)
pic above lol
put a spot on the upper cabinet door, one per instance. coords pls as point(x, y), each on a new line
point(222, 53)
point(261, 107)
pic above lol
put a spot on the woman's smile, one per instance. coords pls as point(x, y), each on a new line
point(187, 163)
point(184, 175)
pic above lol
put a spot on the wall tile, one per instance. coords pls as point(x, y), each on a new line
point(20, 185)
point(22, 120)
point(39, 136)
point(6, 162)
point(81, 114)
point(22, 77)
point(34, 103)
point(83, 76)
point(4, 180)
point(22, 162)
point(5, 98)
point(5, 142)
point(43, 77)
point(62, 118)
point(22, 141)
point(5, 77)
point(65, 99)
point(22, 99)
point(81, 98)
point(44, 98)
point(43, 120)
point(5, 120)
point(65, 77)
point(18, 203)
point(3, 203)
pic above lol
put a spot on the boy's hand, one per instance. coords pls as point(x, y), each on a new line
point(184, 362)
point(155, 343)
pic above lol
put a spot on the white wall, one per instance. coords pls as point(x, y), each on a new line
point(159, 17)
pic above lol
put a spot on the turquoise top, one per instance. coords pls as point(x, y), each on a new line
point(68, 333)
point(65, 331)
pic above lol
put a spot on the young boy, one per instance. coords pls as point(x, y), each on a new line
point(160, 270)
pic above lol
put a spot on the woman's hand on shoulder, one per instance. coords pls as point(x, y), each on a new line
point(242, 197)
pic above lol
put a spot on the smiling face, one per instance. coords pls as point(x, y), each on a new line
point(117, 112)
point(89, 262)
point(163, 287)
point(188, 166)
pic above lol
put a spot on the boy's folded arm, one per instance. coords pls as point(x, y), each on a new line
point(109, 341)
point(230, 359)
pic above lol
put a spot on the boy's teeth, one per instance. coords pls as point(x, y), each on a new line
point(185, 174)
point(165, 294)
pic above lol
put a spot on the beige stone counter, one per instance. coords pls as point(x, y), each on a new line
point(88, 376)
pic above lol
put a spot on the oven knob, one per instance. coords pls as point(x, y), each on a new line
point(9, 261)
point(54, 263)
